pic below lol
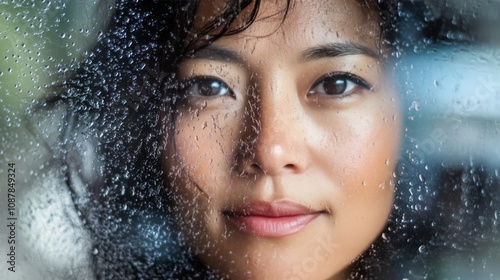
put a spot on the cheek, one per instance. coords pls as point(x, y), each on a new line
point(371, 150)
point(198, 163)
point(361, 146)
point(358, 155)
point(202, 153)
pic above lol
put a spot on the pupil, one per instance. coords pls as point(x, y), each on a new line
point(337, 87)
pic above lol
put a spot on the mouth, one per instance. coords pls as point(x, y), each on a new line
point(275, 219)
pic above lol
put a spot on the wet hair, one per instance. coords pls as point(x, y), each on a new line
point(114, 108)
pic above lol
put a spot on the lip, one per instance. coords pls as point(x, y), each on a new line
point(272, 219)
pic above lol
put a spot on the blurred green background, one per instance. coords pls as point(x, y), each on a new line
point(40, 42)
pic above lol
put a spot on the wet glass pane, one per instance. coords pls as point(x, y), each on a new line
point(249, 139)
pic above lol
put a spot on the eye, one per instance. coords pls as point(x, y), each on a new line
point(337, 84)
point(206, 87)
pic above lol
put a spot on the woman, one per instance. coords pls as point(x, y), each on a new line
point(234, 140)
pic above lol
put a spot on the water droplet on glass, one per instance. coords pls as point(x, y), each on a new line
point(415, 105)
point(421, 177)
point(422, 249)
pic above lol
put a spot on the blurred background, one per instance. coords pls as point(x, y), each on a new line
point(448, 201)
point(447, 213)
point(41, 43)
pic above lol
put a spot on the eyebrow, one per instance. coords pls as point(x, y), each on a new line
point(337, 49)
point(218, 54)
point(322, 51)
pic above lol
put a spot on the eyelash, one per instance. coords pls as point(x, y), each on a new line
point(200, 85)
point(204, 86)
point(350, 82)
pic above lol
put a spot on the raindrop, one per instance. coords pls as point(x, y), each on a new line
point(205, 104)
point(422, 249)
point(421, 177)
point(415, 105)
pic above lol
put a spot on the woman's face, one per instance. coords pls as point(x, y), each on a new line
point(284, 147)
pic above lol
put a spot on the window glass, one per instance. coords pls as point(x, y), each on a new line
point(250, 139)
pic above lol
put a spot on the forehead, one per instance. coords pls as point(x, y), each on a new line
point(338, 20)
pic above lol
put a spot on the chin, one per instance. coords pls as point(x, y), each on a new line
point(297, 256)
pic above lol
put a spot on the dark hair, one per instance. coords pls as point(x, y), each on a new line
point(113, 107)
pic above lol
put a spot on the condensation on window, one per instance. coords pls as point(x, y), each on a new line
point(115, 136)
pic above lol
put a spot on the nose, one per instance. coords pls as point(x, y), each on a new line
point(279, 142)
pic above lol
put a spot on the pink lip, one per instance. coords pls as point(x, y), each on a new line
point(276, 219)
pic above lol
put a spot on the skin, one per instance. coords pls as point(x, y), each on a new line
point(277, 136)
